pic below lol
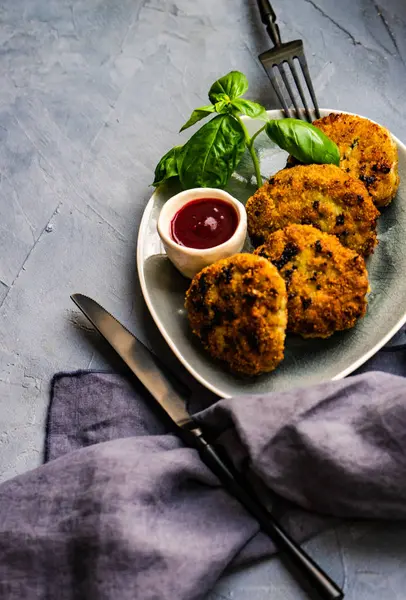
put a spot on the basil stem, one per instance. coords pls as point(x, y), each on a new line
point(256, 134)
point(250, 145)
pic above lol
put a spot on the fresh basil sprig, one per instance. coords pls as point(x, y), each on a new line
point(211, 155)
point(304, 141)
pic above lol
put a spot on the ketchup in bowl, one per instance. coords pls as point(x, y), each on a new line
point(204, 223)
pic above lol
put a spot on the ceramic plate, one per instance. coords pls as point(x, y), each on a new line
point(306, 361)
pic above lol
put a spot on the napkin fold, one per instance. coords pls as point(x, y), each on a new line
point(122, 509)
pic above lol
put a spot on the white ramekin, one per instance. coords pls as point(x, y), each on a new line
point(190, 261)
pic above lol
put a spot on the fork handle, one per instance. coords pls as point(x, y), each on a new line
point(268, 18)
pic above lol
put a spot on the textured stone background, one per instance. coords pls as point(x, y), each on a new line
point(92, 93)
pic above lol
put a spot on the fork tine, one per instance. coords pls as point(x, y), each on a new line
point(282, 71)
point(305, 69)
point(299, 87)
point(278, 92)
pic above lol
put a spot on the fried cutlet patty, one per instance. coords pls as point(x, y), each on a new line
point(367, 152)
point(326, 282)
point(320, 195)
point(237, 307)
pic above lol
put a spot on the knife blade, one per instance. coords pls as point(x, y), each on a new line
point(137, 357)
point(146, 367)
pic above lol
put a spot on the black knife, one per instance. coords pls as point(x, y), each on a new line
point(148, 370)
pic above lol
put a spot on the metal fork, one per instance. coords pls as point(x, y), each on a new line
point(283, 54)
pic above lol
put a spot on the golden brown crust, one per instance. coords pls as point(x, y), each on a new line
point(326, 283)
point(320, 195)
point(367, 152)
point(237, 307)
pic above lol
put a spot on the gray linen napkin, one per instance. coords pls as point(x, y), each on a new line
point(123, 510)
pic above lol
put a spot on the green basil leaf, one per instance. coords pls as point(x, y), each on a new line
point(229, 87)
point(304, 141)
point(167, 166)
point(212, 153)
point(198, 115)
point(222, 106)
point(249, 108)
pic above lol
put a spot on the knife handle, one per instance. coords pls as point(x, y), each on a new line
point(314, 576)
point(268, 18)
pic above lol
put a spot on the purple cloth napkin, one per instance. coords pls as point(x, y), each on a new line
point(123, 510)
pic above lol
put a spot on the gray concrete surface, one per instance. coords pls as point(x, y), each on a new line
point(92, 93)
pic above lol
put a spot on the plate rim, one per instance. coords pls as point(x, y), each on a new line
point(274, 113)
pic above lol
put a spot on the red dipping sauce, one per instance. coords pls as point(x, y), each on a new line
point(204, 223)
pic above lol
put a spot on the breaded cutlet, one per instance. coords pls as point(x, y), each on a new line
point(237, 308)
point(326, 282)
point(320, 195)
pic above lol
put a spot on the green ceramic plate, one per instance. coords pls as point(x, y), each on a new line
point(306, 361)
